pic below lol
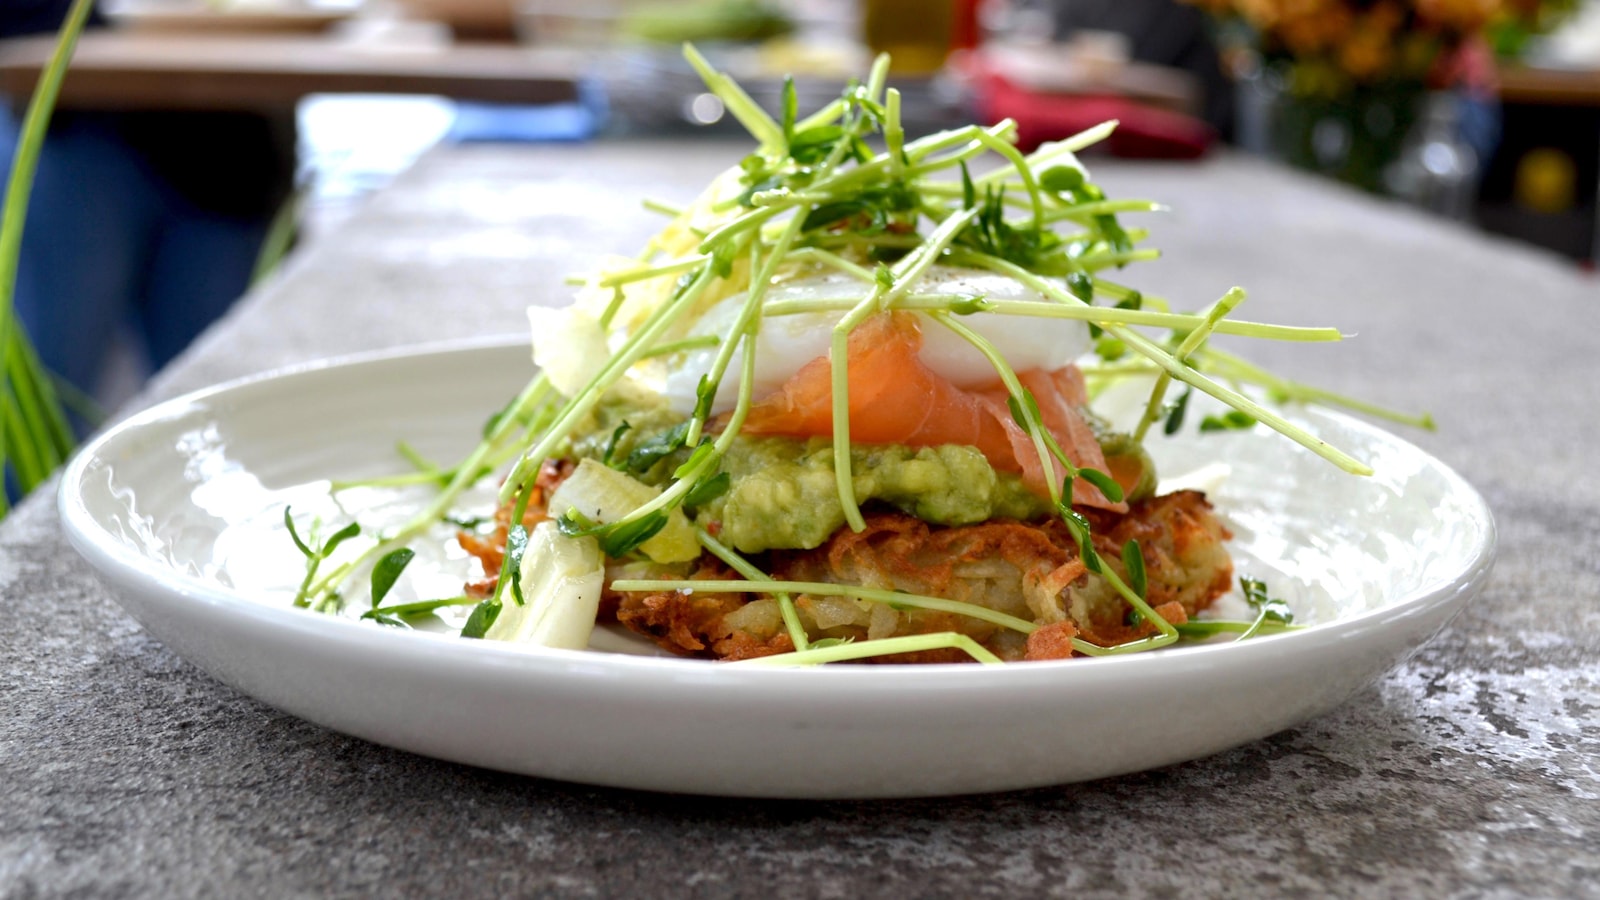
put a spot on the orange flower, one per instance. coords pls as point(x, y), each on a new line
point(1316, 32)
point(1459, 16)
point(1263, 14)
point(1369, 40)
point(1365, 55)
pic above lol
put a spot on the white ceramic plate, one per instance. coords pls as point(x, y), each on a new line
point(168, 507)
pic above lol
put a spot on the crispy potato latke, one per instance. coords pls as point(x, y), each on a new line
point(1028, 570)
point(1031, 571)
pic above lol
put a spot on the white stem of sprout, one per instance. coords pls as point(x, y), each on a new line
point(749, 316)
point(1152, 351)
point(905, 272)
point(754, 119)
point(1191, 343)
point(1099, 315)
point(1067, 147)
point(845, 652)
point(828, 589)
point(791, 618)
point(637, 345)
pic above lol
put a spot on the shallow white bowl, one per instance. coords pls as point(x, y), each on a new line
point(1380, 564)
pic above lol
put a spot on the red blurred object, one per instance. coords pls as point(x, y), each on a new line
point(965, 32)
point(1144, 132)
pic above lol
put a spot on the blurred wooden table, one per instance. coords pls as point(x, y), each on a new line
point(147, 70)
point(1556, 87)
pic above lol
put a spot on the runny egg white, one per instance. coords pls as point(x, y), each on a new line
point(787, 342)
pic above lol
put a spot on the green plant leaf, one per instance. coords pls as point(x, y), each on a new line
point(1078, 526)
point(288, 522)
point(1175, 414)
point(791, 108)
point(1061, 179)
point(483, 616)
point(1232, 420)
point(1107, 485)
point(516, 547)
point(648, 453)
point(36, 436)
point(1268, 608)
point(1133, 561)
point(339, 537)
point(609, 457)
point(1081, 286)
point(707, 490)
point(387, 572)
point(576, 524)
point(625, 537)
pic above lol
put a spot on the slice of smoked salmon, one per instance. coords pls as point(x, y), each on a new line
point(896, 399)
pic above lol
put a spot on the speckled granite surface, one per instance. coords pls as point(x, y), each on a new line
point(1472, 770)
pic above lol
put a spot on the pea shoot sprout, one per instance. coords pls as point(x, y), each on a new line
point(843, 192)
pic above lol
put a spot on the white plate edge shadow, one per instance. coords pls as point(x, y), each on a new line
point(739, 711)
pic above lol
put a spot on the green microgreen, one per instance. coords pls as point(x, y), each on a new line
point(897, 599)
point(516, 547)
point(481, 619)
point(1108, 486)
point(623, 538)
point(1200, 629)
point(609, 456)
point(970, 305)
point(315, 554)
point(839, 650)
point(617, 539)
point(648, 452)
point(1078, 527)
point(791, 618)
point(1175, 413)
point(815, 194)
point(573, 523)
point(401, 614)
point(707, 490)
point(1081, 285)
point(404, 611)
point(1232, 420)
point(791, 109)
point(387, 572)
point(1269, 610)
point(1133, 561)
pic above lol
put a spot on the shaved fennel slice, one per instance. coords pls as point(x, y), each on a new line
point(561, 581)
point(568, 345)
point(604, 495)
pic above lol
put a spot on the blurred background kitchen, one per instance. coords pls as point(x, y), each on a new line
point(198, 140)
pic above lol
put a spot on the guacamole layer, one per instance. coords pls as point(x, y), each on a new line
point(782, 493)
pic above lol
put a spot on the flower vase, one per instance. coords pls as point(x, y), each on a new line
point(1354, 136)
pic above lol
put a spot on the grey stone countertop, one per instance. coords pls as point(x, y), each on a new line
point(1471, 770)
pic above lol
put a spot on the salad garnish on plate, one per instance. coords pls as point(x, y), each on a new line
point(839, 409)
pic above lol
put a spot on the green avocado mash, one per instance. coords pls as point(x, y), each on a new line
point(782, 492)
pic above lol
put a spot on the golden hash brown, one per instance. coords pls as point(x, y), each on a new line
point(1031, 571)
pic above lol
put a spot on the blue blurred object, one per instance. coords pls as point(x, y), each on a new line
point(110, 241)
point(510, 123)
point(1480, 122)
point(148, 219)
